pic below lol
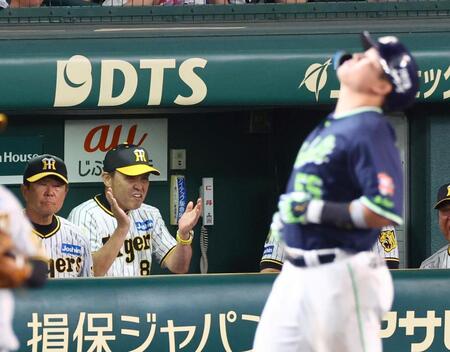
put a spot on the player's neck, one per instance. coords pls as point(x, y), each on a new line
point(350, 100)
point(39, 218)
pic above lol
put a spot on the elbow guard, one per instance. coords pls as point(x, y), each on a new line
point(38, 275)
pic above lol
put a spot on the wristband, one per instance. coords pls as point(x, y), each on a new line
point(185, 242)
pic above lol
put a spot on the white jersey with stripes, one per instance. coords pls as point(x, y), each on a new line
point(67, 247)
point(147, 236)
point(439, 260)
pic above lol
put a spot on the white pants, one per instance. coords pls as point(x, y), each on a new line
point(8, 341)
point(334, 307)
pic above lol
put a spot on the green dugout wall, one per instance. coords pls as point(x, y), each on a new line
point(240, 86)
point(203, 313)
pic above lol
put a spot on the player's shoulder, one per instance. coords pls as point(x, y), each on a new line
point(72, 230)
point(433, 261)
point(66, 224)
point(85, 207)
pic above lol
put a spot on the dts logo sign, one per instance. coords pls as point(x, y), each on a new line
point(74, 81)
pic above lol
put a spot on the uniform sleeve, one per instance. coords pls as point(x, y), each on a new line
point(88, 225)
point(14, 222)
point(162, 240)
point(273, 254)
point(386, 246)
point(375, 161)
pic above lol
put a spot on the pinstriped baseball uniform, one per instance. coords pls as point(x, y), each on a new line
point(273, 254)
point(67, 247)
point(386, 246)
point(439, 260)
point(13, 222)
point(147, 236)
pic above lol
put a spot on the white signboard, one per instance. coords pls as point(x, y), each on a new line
point(87, 141)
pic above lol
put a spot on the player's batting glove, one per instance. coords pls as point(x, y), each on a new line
point(293, 207)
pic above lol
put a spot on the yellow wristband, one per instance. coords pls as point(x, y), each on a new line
point(185, 242)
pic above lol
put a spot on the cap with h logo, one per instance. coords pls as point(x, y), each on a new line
point(443, 195)
point(43, 166)
point(129, 160)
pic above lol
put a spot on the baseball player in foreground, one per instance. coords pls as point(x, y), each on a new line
point(346, 184)
point(441, 259)
point(385, 246)
point(45, 186)
point(22, 263)
point(124, 232)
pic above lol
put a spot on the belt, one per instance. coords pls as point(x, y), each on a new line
point(300, 261)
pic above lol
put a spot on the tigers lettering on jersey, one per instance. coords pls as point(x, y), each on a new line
point(64, 265)
point(67, 247)
point(139, 243)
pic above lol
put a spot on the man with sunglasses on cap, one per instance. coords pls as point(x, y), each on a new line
point(123, 231)
point(45, 186)
point(345, 185)
point(441, 259)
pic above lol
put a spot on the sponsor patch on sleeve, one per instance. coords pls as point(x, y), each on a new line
point(72, 249)
point(385, 184)
point(268, 249)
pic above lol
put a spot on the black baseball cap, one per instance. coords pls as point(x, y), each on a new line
point(45, 165)
point(129, 160)
point(443, 195)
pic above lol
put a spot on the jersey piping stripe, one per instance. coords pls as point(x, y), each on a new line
point(167, 255)
point(107, 211)
point(357, 307)
point(392, 259)
point(50, 234)
point(271, 261)
point(376, 209)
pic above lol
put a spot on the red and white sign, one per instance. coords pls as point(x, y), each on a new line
point(87, 141)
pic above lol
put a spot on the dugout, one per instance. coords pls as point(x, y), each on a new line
point(239, 87)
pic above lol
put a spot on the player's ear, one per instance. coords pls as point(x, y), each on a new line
point(107, 179)
point(23, 190)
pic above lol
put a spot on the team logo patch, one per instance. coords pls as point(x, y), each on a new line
point(388, 240)
point(385, 184)
point(144, 225)
point(268, 250)
point(73, 249)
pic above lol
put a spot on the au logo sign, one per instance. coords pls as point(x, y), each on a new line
point(316, 77)
point(74, 81)
point(87, 141)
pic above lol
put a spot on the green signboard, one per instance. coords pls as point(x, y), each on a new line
point(203, 313)
point(194, 70)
